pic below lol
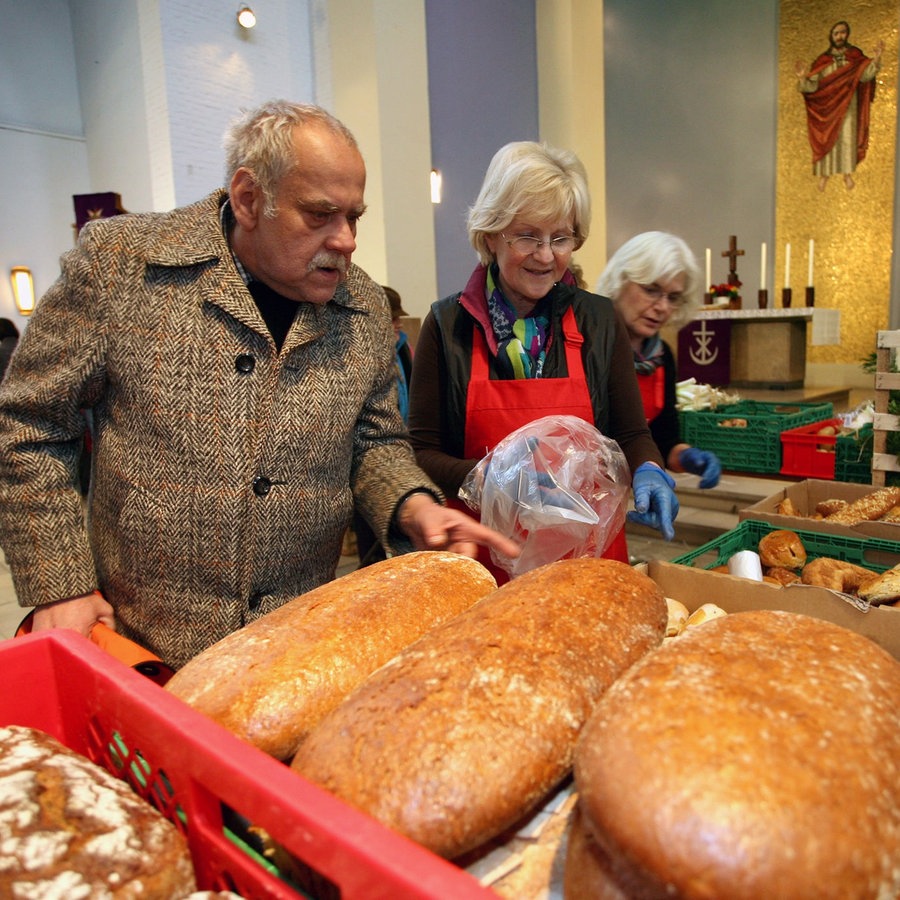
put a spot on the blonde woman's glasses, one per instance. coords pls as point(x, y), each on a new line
point(527, 244)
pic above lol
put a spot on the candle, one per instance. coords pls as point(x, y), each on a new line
point(762, 268)
point(787, 265)
point(708, 269)
point(809, 281)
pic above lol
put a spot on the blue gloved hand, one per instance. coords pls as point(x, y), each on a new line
point(701, 462)
point(655, 503)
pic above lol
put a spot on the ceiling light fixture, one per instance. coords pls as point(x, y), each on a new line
point(246, 17)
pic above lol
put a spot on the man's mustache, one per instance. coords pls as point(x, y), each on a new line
point(328, 261)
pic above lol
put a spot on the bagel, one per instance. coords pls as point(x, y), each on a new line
point(782, 548)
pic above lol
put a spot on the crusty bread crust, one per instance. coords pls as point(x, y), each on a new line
point(271, 682)
point(71, 829)
point(758, 756)
point(471, 726)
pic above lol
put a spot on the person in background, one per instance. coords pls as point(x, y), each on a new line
point(521, 341)
point(240, 374)
point(9, 337)
point(368, 547)
point(654, 280)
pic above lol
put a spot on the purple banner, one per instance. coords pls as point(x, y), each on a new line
point(704, 351)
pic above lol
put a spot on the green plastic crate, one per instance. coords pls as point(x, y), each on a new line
point(756, 447)
point(873, 553)
point(853, 456)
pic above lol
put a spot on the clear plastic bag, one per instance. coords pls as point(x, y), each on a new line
point(556, 486)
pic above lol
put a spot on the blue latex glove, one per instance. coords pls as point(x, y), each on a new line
point(701, 462)
point(655, 503)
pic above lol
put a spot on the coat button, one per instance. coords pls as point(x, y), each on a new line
point(261, 486)
point(255, 601)
point(245, 364)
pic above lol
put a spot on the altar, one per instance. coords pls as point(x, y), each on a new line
point(745, 348)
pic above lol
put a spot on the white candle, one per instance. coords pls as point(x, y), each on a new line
point(787, 266)
point(809, 280)
point(762, 268)
point(708, 269)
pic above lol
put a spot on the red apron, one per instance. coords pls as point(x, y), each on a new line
point(494, 409)
point(653, 392)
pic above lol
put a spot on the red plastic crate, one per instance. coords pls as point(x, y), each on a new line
point(200, 775)
point(800, 453)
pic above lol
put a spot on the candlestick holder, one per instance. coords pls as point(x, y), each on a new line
point(763, 298)
point(707, 298)
point(810, 296)
point(786, 297)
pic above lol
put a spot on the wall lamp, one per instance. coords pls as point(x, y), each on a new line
point(23, 289)
point(436, 185)
point(246, 17)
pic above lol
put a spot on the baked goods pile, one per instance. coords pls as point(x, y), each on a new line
point(474, 724)
point(757, 756)
point(881, 505)
point(784, 561)
point(68, 828)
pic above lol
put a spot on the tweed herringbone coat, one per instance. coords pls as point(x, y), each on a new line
point(223, 472)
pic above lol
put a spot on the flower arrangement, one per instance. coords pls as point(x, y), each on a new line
point(732, 291)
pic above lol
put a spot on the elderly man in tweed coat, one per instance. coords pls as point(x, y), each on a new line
point(239, 371)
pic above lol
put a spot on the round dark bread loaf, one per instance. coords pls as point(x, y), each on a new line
point(467, 729)
point(68, 828)
point(756, 756)
point(271, 682)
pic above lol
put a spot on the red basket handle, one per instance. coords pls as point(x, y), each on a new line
point(120, 648)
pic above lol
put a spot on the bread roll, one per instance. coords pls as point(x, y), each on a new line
point(781, 744)
point(884, 588)
point(781, 575)
point(69, 829)
point(677, 617)
point(704, 613)
point(829, 507)
point(271, 682)
point(836, 574)
point(782, 548)
point(466, 730)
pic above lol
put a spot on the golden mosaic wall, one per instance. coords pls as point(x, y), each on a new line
point(851, 228)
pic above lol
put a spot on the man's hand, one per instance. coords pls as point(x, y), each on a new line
point(431, 526)
point(79, 614)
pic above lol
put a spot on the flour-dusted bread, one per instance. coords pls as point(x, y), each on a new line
point(757, 756)
point(468, 728)
point(272, 681)
point(69, 829)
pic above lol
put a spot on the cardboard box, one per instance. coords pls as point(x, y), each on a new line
point(694, 587)
point(805, 495)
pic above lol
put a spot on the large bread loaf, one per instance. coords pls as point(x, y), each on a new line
point(69, 829)
point(468, 728)
point(755, 756)
point(273, 681)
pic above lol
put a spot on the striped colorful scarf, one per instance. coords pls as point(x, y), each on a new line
point(521, 343)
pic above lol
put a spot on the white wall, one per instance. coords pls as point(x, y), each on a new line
point(41, 142)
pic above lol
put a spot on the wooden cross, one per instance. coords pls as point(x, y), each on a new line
point(732, 253)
